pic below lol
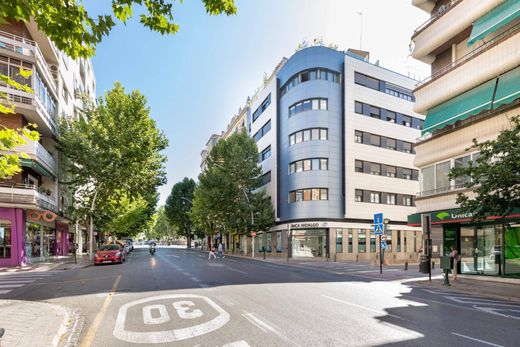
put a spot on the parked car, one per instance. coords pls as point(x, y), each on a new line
point(112, 253)
point(121, 244)
point(130, 244)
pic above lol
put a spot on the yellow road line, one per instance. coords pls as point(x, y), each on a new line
point(91, 333)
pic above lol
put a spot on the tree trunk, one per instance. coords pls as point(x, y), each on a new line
point(91, 228)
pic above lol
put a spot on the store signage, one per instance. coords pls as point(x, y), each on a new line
point(309, 225)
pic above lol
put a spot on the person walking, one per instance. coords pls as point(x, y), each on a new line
point(220, 250)
point(211, 254)
point(454, 254)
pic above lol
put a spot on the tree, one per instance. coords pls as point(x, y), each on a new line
point(178, 205)
point(162, 227)
point(12, 138)
point(68, 24)
point(229, 195)
point(494, 177)
point(112, 152)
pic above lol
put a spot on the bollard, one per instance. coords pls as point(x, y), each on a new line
point(406, 266)
point(263, 249)
point(357, 257)
point(433, 265)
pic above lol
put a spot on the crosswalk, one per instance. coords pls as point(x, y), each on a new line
point(10, 281)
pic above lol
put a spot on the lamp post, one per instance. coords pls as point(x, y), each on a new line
point(381, 250)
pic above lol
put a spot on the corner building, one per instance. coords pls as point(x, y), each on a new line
point(335, 135)
point(473, 91)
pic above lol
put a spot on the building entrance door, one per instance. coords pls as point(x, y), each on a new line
point(310, 243)
point(489, 239)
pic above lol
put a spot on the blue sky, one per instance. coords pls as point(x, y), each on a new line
point(196, 80)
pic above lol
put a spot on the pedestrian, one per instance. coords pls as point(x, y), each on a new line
point(454, 254)
point(220, 249)
point(211, 254)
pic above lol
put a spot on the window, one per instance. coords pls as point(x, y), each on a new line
point(5, 239)
point(292, 168)
point(324, 164)
point(266, 178)
point(359, 166)
point(339, 240)
point(358, 107)
point(266, 153)
point(265, 104)
point(372, 242)
point(299, 166)
point(442, 170)
point(375, 197)
point(362, 241)
point(309, 75)
point(358, 195)
point(461, 163)
point(391, 144)
point(407, 147)
point(260, 242)
point(308, 194)
point(404, 241)
point(307, 105)
point(407, 174)
point(375, 140)
point(268, 243)
point(407, 200)
point(375, 169)
point(390, 199)
point(314, 134)
point(350, 240)
point(428, 179)
point(390, 116)
point(278, 241)
point(391, 171)
point(264, 130)
point(406, 121)
point(375, 112)
point(358, 137)
point(308, 165)
point(398, 240)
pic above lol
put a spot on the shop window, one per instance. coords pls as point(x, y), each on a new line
point(268, 242)
point(260, 243)
point(398, 240)
point(362, 241)
point(5, 239)
point(372, 242)
point(278, 241)
point(339, 240)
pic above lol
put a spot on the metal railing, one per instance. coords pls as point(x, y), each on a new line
point(454, 187)
point(440, 12)
point(45, 157)
point(17, 44)
point(17, 193)
point(479, 50)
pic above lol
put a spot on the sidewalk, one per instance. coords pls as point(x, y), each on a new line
point(29, 323)
point(61, 263)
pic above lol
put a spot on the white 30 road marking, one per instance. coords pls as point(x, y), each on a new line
point(166, 336)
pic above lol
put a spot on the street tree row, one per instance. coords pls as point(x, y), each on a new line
point(229, 197)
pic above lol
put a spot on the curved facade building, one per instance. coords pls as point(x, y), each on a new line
point(310, 135)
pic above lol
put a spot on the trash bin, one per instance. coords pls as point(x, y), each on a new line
point(424, 264)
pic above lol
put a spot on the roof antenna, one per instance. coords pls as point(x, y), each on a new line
point(360, 30)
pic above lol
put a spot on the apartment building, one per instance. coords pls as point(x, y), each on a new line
point(473, 47)
point(335, 135)
point(33, 224)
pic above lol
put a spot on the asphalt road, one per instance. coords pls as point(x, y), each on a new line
point(178, 297)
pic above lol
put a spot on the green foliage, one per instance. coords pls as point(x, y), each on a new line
point(494, 177)
point(12, 138)
point(68, 24)
point(178, 205)
point(162, 227)
point(112, 152)
point(229, 195)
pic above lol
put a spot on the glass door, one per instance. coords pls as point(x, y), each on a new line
point(488, 249)
point(468, 262)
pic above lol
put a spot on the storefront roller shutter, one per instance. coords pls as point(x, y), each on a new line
point(460, 107)
point(494, 20)
point(508, 88)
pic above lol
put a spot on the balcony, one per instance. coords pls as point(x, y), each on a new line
point(39, 154)
point(495, 57)
point(26, 196)
point(452, 188)
point(444, 26)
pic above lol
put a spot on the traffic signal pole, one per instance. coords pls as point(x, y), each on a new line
point(380, 255)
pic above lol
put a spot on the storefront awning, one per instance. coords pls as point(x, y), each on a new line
point(460, 107)
point(494, 20)
point(508, 88)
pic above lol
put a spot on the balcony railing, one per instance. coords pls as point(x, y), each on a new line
point(26, 194)
point(477, 51)
point(451, 188)
point(440, 12)
point(37, 152)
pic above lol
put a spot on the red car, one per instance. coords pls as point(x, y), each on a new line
point(109, 254)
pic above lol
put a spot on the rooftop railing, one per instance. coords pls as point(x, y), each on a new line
point(440, 12)
point(451, 188)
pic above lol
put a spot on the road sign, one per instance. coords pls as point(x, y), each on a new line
point(383, 237)
point(383, 245)
point(378, 224)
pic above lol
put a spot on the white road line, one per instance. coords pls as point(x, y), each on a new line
point(4, 291)
point(241, 343)
point(194, 279)
point(225, 300)
point(242, 272)
point(16, 282)
point(11, 285)
point(364, 307)
point(262, 325)
point(474, 339)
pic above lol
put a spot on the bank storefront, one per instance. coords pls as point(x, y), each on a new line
point(489, 247)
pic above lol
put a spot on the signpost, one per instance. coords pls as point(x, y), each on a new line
point(253, 234)
point(379, 230)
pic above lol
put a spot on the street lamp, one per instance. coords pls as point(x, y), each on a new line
point(381, 250)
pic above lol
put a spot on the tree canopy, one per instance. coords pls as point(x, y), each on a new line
point(178, 205)
point(494, 177)
point(113, 155)
point(76, 32)
point(162, 227)
point(230, 196)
